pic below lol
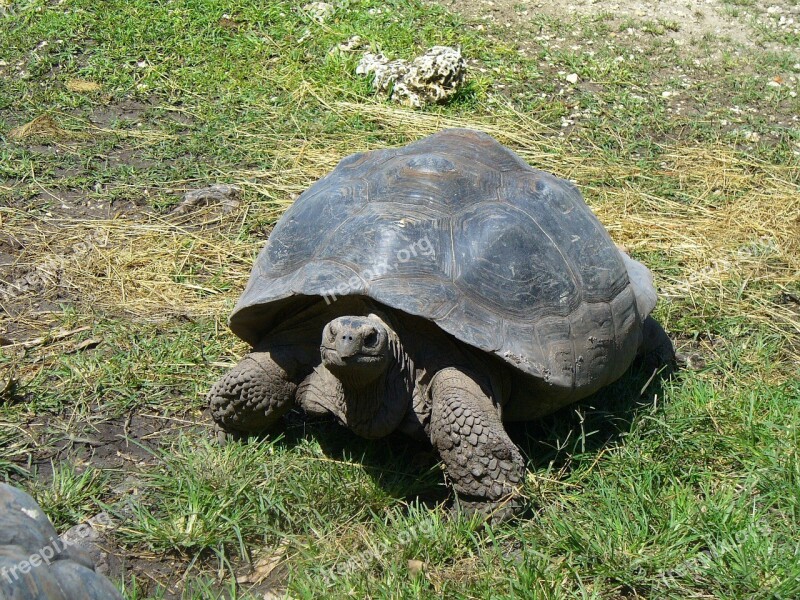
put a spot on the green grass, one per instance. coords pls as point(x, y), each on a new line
point(70, 496)
point(689, 487)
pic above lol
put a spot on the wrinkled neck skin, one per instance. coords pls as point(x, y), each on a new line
point(373, 409)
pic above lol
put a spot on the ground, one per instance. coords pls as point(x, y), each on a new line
point(737, 21)
point(678, 123)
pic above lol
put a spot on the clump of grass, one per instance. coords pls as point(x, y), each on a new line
point(43, 127)
point(12, 451)
point(127, 365)
point(71, 496)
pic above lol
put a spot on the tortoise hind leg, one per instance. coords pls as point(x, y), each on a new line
point(656, 350)
point(484, 465)
point(252, 396)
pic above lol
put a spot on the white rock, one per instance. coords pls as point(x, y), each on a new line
point(319, 11)
point(572, 78)
point(433, 77)
point(354, 43)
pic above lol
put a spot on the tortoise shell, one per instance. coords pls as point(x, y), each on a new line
point(457, 229)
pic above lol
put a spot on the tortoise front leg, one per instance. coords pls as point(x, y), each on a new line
point(484, 465)
point(252, 396)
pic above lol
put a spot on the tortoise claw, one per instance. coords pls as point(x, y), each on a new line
point(225, 437)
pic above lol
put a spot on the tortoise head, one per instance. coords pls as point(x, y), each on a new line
point(355, 349)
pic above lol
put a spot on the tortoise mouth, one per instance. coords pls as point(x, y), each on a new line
point(357, 370)
point(331, 358)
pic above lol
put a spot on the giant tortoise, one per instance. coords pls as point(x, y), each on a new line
point(35, 563)
point(438, 289)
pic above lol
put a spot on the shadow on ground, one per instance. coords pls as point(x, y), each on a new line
point(409, 469)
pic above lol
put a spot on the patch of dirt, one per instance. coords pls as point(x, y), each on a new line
point(682, 21)
point(120, 444)
point(79, 205)
point(131, 111)
point(131, 158)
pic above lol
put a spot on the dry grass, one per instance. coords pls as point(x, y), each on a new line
point(83, 85)
point(734, 233)
point(43, 126)
point(147, 266)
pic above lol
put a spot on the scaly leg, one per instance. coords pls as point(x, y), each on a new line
point(484, 465)
point(252, 396)
point(656, 350)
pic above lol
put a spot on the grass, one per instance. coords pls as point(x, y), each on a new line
point(113, 306)
point(68, 497)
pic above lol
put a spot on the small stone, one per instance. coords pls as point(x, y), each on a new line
point(319, 11)
point(415, 567)
point(351, 44)
point(227, 196)
point(572, 78)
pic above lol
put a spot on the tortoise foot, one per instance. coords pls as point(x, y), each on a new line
point(491, 511)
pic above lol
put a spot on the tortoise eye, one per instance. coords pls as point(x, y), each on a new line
point(371, 339)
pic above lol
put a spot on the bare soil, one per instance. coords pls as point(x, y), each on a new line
point(699, 50)
point(693, 19)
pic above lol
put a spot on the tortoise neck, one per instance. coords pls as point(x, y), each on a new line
point(377, 408)
point(371, 410)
